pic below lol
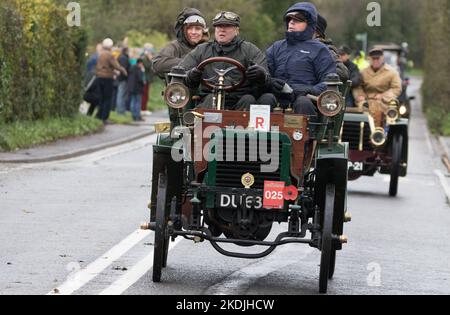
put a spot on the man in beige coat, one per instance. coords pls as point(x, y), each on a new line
point(380, 85)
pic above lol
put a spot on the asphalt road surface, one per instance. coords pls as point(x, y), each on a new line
point(71, 227)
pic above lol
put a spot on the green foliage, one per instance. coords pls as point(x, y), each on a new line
point(139, 39)
point(30, 133)
point(436, 90)
point(41, 61)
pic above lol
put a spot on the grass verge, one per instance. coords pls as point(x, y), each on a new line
point(415, 72)
point(124, 119)
point(438, 122)
point(20, 135)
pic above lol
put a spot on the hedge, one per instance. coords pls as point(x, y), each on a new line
point(41, 60)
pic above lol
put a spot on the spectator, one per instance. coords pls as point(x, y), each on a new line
point(147, 58)
point(136, 83)
point(91, 83)
point(122, 89)
point(360, 60)
point(105, 72)
point(92, 62)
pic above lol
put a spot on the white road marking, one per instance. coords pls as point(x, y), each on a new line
point(88, 158)
point(134, 274)
point(239, 282)
point(107, 153)
point(82, 277)
point(444, 183)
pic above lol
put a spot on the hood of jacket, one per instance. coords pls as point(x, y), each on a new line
point(187, 12)
point(310, 12)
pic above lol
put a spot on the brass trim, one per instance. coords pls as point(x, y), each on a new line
point(162, 127)
point(378, 130)
point(361, 137)
point(389, 120)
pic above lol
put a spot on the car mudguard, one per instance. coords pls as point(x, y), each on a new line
point(163, 162)
point(332, 167)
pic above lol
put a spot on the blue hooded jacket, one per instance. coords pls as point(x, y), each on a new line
point(299, 60)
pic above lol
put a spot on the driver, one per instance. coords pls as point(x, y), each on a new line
point(380, 82)
point(227, 43)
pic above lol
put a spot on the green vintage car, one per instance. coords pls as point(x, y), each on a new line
point(212, 180)
point(377, 147)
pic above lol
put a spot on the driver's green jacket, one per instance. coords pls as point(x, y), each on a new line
point(244, 52)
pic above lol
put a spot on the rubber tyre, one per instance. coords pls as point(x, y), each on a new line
point(161, 238)
point(397, 145)
point(327, 239)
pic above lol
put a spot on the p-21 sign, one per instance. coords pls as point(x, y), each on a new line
point(274, 195)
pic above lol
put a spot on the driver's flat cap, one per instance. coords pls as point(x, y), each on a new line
point(376, 52)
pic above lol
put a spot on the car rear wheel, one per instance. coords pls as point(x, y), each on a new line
point(397, 145)
point(161, 242)
point(328, 258)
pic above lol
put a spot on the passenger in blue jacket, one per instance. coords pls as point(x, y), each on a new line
point(300, 61)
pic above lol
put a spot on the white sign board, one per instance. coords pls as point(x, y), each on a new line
point(260, 117)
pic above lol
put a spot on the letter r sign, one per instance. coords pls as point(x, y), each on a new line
point(260, 117)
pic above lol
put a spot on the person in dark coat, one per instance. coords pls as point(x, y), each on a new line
point(355, 75)
point(300, 61)
point(136, 83)
point(190, 28)
point(227, 43)
point(321, 36)
point(122, 90)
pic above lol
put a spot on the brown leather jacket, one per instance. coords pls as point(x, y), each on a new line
point(106, 65)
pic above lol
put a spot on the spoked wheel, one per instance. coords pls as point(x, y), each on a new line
point(397, 145)
point(327, 260)
point(161, 237)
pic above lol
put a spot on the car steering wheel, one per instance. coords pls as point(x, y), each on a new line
point(236, 65)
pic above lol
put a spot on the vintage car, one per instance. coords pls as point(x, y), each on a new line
point(394, 55)
point(378, 141)
point(212, 181)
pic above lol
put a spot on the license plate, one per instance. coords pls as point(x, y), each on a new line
point(356, 166)
point(231, 201)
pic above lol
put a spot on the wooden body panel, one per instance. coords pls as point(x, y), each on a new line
point(288, 124)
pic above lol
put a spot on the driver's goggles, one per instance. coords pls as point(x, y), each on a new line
point(230, 16)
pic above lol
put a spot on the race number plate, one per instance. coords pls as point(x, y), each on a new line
point(231, 201)
point(274, 195)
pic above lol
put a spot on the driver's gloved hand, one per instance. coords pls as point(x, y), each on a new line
point(194, 77)
point(304, 90)
point(256, 74)
point(277, 85)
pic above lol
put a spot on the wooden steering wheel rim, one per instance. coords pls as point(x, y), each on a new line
point(240, 67)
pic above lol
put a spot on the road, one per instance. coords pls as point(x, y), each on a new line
point(73, 226)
